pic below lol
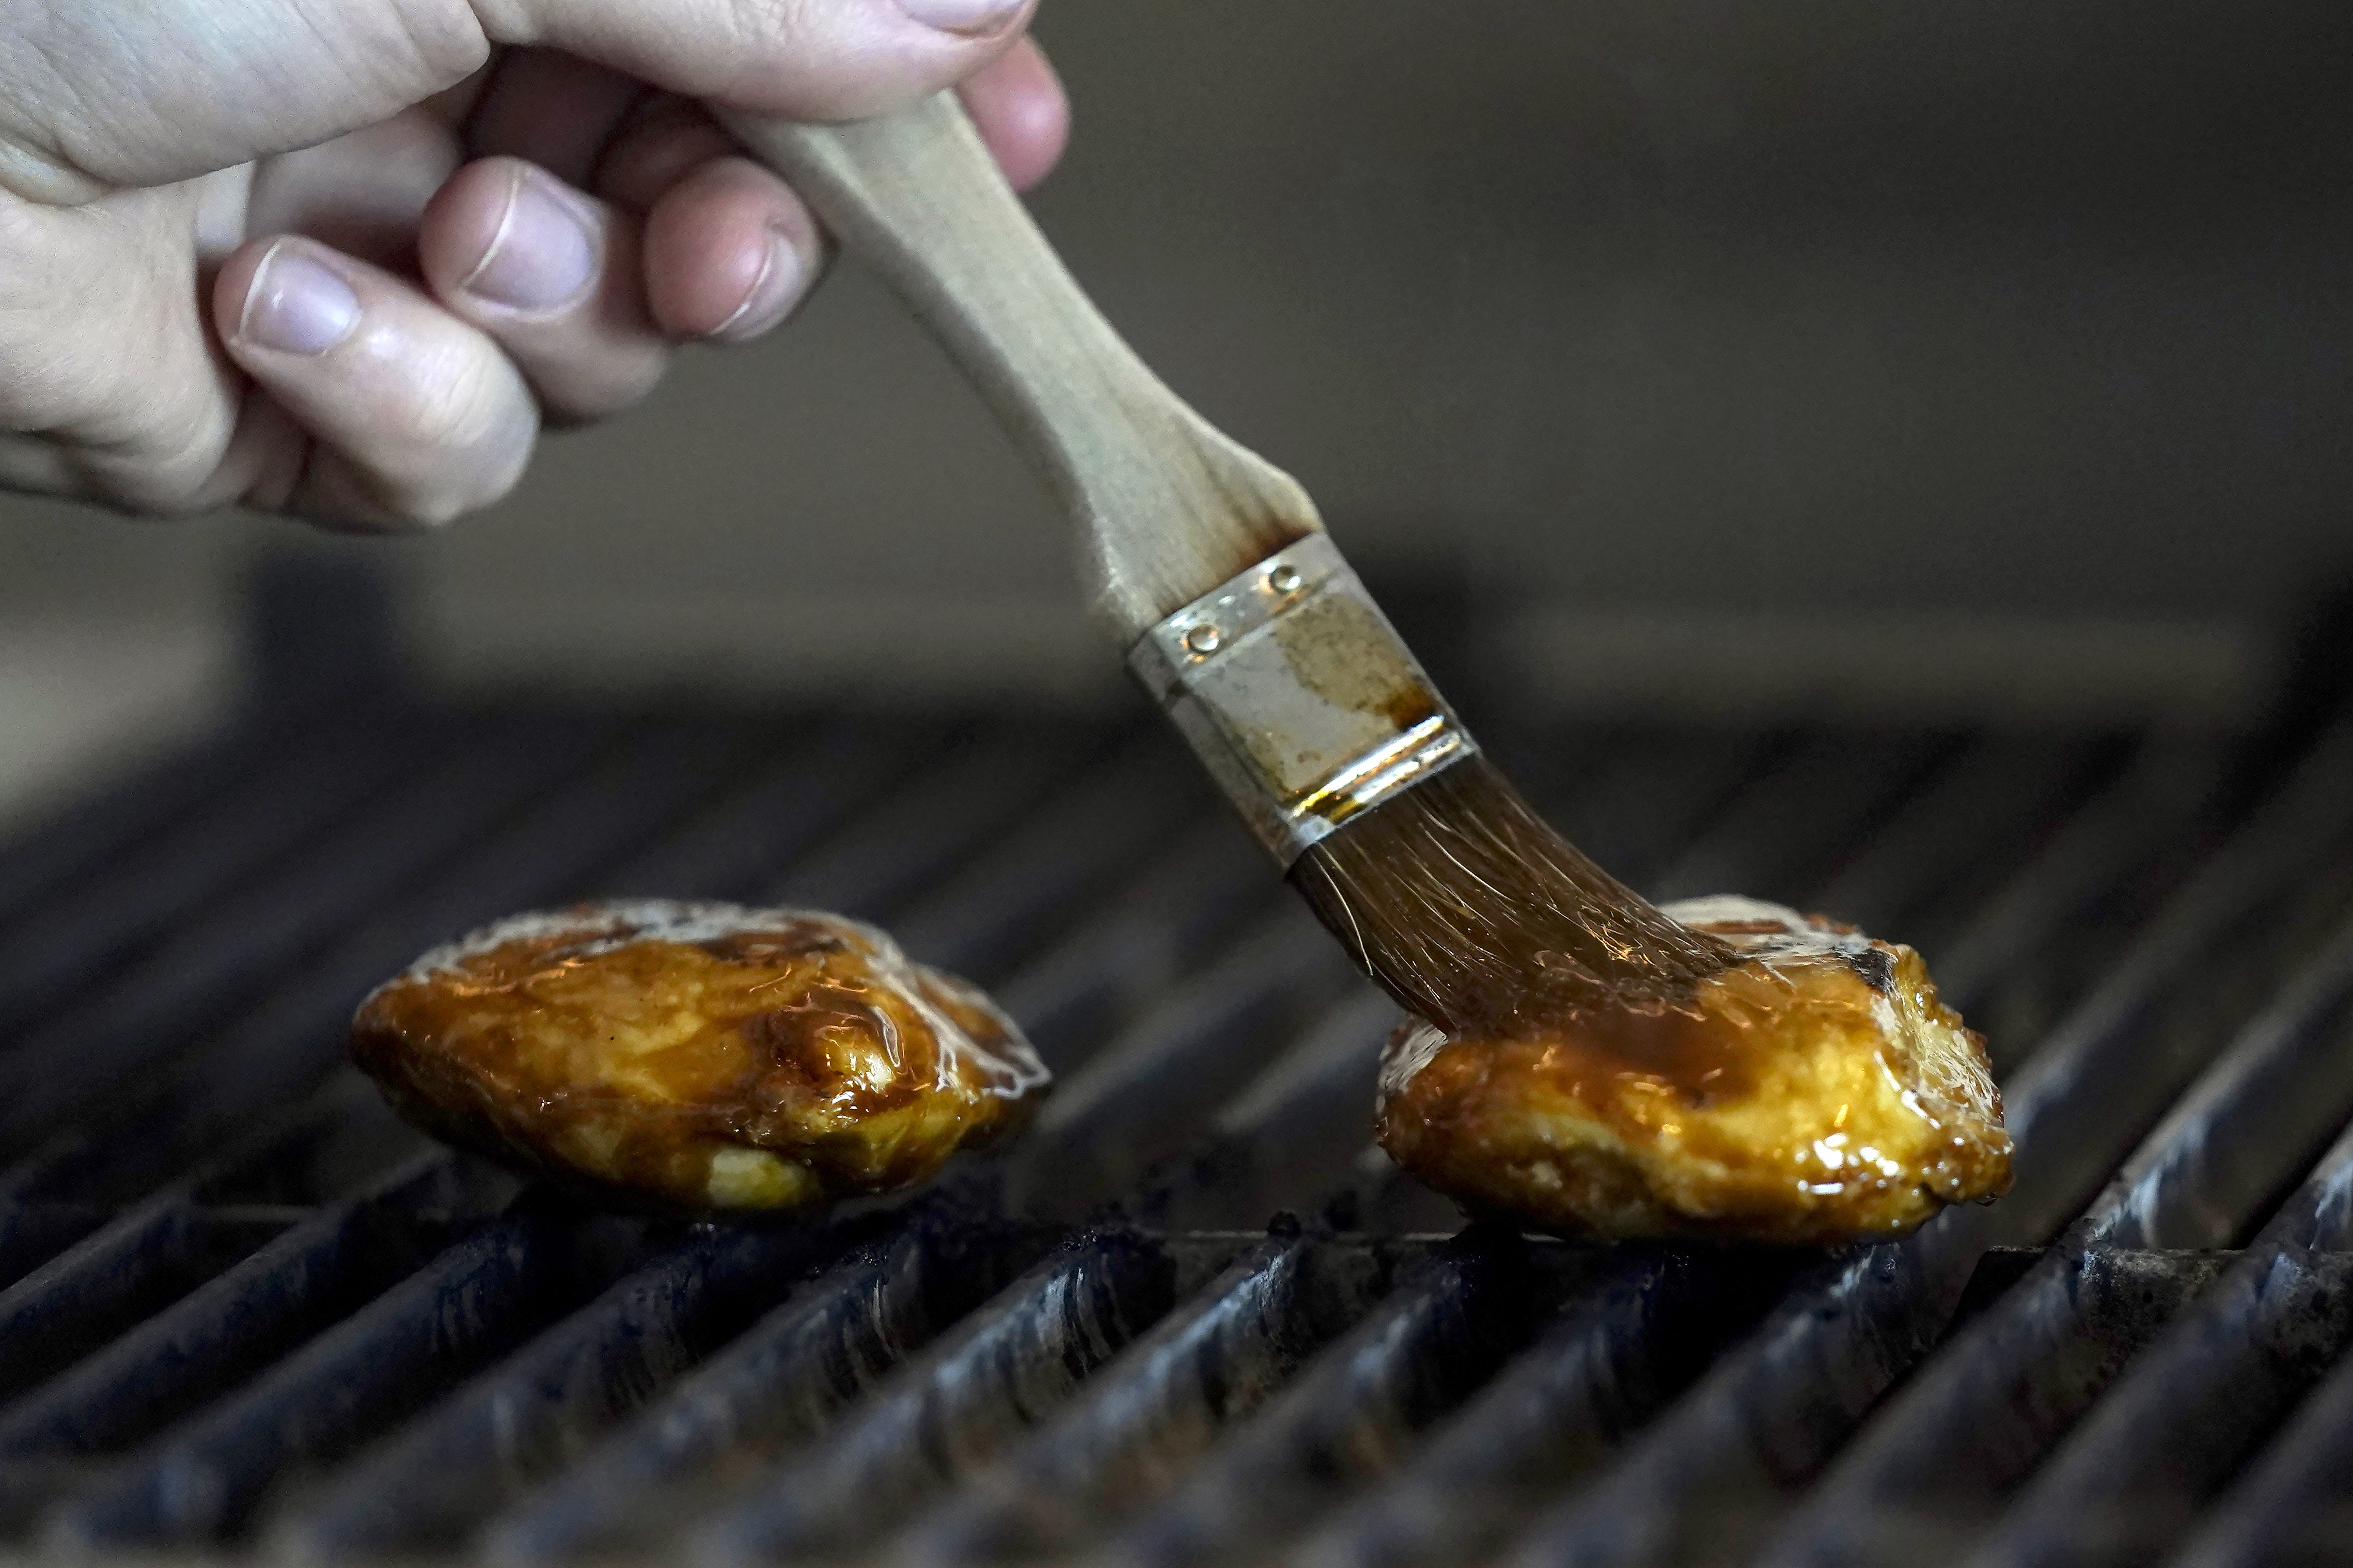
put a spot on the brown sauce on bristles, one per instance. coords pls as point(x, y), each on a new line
point(1475, 914)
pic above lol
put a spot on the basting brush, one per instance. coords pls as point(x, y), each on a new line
point(1213, 573)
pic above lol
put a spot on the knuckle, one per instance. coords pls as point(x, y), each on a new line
point(500, 481)
point(765, 27)
point(453, 445)
point(423, 513)
point(822, 59)
point(450, 417)
point(619, 387)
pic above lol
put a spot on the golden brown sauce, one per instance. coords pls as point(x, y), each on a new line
point(1679, 1047)
point(698, 1055)
point(1815, 1089)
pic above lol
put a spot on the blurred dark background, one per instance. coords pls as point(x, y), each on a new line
point(1967, 358)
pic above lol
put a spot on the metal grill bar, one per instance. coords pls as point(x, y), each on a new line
point(1438, 1334)
point(1302, 1118)
point(101, 1287)
point(494, 1439)
point(1807, 812)
point(950, 1408)
point(1620, 1353)
point(1477, 1447)
point(443, 1480)
point(810, 781)
point(1651, 796)
point(1022, 889)
point(1250, 1469)
point(1934, 855)
point(1965, 1429)
point(569, 1516)
point(294, 1032)
point(240, 1321)
point(2134, 1475)
point(774, 1386)
point(321, 1336)
point(2123, 841)
point(77, 936)
point(33, 1232)
point(1140, 1425)
point(933, 822)
point(137, 1262)
point(1138, 944)
point(96, 832)
point(205, 1477)
point(806, 1513)
point(1145, 1095)
point(194, 979)
point(1262, 1475)
point(1712, 1474)
point(408, 1498)
point(2294, 1507)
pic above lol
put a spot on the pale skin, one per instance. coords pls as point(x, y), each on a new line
point(346, 259)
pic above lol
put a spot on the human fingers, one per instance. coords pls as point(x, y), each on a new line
point(551, 274)
point(809, 59)
point(96, 97)
point(730, 249)
point(108, 369)
point(730, 252)
point(607, 133)
point(362, 194)
point(1017, 105)
point(559, 110)
point(89, 105)
point(416, 416)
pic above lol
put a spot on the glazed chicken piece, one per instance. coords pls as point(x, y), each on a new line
point(1815, 1091)
point(697, 1057)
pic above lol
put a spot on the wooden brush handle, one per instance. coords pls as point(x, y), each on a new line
point(1167, 507)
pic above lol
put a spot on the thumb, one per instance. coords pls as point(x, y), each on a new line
point(93, 100)
point(89, 104)
point(808, 59)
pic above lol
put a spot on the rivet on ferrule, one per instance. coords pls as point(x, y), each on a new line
point(1299, 695)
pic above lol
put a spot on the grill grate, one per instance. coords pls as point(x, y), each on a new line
point(1190, 1318)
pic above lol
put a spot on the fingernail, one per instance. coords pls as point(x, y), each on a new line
point(543, 255)
point(297, 306)
point(778, 289)
point(977, 18)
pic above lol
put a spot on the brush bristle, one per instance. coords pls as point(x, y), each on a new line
point(1475, 913)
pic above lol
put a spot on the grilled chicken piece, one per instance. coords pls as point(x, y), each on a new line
point(697, 1057)
point(1814, 1091)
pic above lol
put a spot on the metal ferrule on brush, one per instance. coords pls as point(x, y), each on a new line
point(1298, 696)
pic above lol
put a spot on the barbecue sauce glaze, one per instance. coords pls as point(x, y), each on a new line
point(697, 1056)
point(1812, 1089)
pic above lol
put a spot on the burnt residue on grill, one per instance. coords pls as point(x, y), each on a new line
point(1192, 1317)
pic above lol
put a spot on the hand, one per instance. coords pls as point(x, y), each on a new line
point(344, 259)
